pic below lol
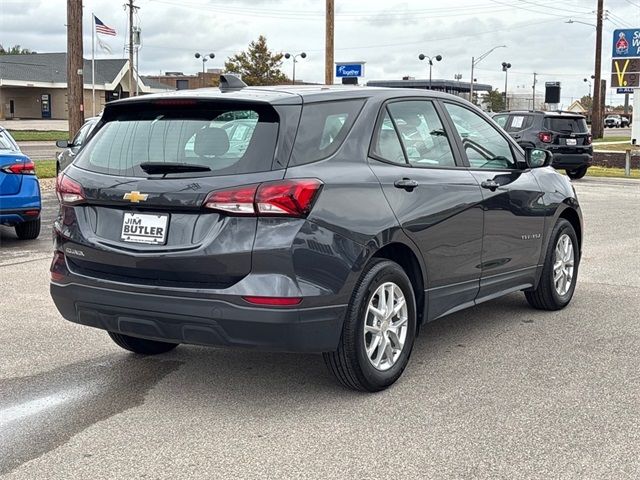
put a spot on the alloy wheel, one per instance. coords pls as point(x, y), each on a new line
point(563, 265)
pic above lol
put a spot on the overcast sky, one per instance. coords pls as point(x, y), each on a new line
point(388, 35)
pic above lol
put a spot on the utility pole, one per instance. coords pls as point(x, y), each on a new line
point(132, 8)
point(596, 109)
point(533, 103)
point(75, 81)
point(328, 55)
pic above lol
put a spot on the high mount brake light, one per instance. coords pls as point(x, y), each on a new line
point(21, 168)
point(69, 191)
point(287, 198)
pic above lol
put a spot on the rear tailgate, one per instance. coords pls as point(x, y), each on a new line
point(145, 225)
point(570, 132)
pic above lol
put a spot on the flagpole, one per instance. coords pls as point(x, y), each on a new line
point(93, 64)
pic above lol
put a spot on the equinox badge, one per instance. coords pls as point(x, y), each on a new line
point(135, 197)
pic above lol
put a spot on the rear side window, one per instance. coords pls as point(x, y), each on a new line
point(323, 127)
point(227, 140)
point(518, 123)
point(565, 124)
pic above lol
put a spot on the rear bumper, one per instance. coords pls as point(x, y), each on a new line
point(13, 208)
point(571, 161)
point(201, 321)
point(14, 217)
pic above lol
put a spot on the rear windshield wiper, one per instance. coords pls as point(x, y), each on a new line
point(164, 168)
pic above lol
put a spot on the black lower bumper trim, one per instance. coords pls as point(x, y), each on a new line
point(201, 321)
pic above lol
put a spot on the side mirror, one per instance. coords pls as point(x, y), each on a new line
point(63, 143)
point(537, 157)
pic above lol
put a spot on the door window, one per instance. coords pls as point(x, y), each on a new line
point(422, 134)
point(484, 146)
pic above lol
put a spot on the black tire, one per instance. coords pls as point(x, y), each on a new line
point(141, 345)
point(350, 364)
point(578, 173)
point(545, 296)
point(28, 230)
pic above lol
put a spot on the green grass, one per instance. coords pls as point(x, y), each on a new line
point(38, 135)
point(45, 168)
point(611, 172)
point(621, 139)
point(614, 147)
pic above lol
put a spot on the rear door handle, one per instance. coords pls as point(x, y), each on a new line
point(490, 184)
point(406, 183)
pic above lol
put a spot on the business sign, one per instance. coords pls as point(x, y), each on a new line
point(626, 43)
point(625, 72)
point(624, 90)
point(349, 70)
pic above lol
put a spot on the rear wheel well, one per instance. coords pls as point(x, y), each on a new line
point(571, 216)
point(404, 256)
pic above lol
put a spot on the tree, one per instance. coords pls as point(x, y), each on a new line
point(15, 50)
point(257, 65)
point(494, 99)
point(587, 102)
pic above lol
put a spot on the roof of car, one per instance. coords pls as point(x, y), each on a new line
point(553, 113)
point(289, 94)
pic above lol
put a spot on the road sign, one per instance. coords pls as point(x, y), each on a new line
point(625, 72)
point(349, 70)
point(624, 90)
point(626, 43)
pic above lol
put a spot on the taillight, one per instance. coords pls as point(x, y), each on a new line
point(58, 267)
point(545, 137)
point(273, 301)
point(588, 140)
point(238, 201)
point(288, 198)
point(68, 191)
point(21, 168)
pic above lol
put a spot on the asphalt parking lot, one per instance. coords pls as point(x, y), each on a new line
point(496, 391)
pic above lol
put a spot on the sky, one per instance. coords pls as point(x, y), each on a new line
point(387, 35)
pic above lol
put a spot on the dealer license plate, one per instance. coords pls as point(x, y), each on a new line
point(144, 228)
point(572, 141)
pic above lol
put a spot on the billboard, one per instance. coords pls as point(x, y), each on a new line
point(349, 70)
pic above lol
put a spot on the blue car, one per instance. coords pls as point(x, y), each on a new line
point(20, 201)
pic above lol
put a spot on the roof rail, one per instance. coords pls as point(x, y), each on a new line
point(230, 82)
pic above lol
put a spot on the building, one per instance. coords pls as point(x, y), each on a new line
point(455, 87)
point(35, 85)
point(180, 81)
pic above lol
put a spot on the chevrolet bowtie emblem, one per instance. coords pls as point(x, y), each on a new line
point(135, 197)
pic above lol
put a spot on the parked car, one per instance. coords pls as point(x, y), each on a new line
point(352, 218)
point(616, 121)
point(564, 134)
point(20, 202)
point(72, 147)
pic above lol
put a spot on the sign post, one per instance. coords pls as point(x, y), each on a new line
point(625, 70)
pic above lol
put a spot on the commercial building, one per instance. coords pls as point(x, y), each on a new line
point(35, 85)
point(454, 87)
point(180, 81)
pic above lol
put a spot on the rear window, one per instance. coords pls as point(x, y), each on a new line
point(518, 123)
point(323, 128)
point(565, 124)
point(227, 140)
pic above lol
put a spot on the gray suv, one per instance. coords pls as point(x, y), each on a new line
point(340, 222)
point(565, 135)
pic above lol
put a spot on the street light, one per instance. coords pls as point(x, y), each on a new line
point(204, 60)
point(474, 62)
point(505, 68)
point(588, 83)
point(437, 58)
point(288, 56)
point(583, 23)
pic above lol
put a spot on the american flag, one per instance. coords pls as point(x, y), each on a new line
point(102, 28)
